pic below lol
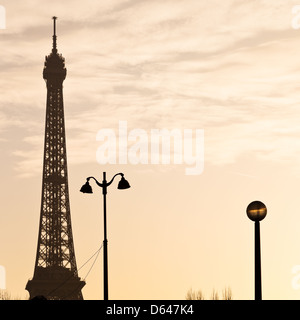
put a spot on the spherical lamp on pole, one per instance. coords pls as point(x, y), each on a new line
point(257, 211)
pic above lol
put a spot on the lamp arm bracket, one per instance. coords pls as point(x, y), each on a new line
point(97, 182)
point(110, 182)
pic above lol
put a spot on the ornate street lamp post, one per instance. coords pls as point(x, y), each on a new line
point(86, 188)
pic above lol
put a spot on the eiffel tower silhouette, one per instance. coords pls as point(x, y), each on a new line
point(55, 273)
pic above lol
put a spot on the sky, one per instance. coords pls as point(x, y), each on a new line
point(229, 69)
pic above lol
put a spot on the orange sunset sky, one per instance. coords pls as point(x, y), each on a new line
point(230, 68)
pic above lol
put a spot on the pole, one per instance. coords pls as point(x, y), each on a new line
point(105, 260)
point(257, 262)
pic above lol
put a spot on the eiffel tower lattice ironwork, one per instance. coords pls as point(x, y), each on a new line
point(55, 274)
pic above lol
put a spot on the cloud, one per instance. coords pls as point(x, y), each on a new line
point(229, 68)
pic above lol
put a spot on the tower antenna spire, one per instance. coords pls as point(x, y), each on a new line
point(54, 50)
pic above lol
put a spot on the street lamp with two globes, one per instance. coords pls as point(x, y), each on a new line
point(86, 188)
